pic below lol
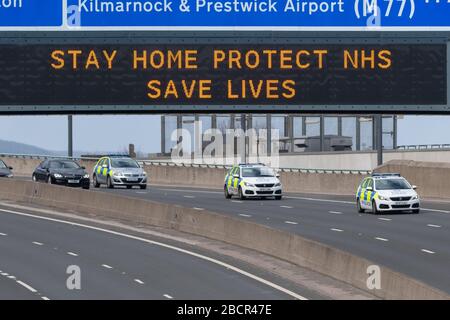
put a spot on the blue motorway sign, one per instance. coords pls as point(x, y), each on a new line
point(224, 14)
point(31, 13)
point(259, 13)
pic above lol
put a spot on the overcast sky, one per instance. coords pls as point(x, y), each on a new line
point(114, 133)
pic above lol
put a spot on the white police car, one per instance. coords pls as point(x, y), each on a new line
point(252, 180)
point(387, 192)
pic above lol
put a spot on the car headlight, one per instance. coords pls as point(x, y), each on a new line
point(117, 174)
point(144, 174)
point(86, 176)
point(278, 184)
point(58, 176)
point(382, 198)
point(247, 184)
point(415, 197)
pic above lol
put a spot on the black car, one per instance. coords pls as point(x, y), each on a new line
point(5, 171)
point(62, 172)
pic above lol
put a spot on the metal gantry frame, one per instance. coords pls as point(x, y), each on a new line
point(246, 121)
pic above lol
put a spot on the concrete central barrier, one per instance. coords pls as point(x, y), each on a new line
point(280, 244)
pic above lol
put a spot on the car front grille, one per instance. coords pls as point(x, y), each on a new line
point(264, 192)
point(400, 207)
point(401, 198)
point(264, 185)
point(74, 177)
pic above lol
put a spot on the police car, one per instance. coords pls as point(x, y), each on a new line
point(387, 192)
point(252, 180)
point(119, 171)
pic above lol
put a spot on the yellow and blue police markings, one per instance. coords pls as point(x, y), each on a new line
point(367, 196)
point(102, 171)
point(231, 181)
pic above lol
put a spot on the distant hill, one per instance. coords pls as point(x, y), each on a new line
point(22, 148)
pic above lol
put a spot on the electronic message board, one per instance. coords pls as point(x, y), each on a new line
point(284, 77)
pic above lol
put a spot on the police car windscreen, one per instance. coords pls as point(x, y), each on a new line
point(124, 163)
point(63, 165)
point(392, 184)
point(257, 172)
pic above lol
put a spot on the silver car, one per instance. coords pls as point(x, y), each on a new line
point(119, 171)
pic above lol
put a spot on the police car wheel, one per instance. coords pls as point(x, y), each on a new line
point(49, 180)
point(96, 184)
point(358, 204)
point(374, 208)
point(109, 183)
point(227, 195)
point(241, 194)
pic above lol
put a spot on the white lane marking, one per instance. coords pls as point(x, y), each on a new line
point(245, 215)
point(11, 277)
point(3, 234)
point(435, 210)
point(38, 243)
point(291, 222)
point(139, 281)
point(189, 197)
point(433, 225)
point(381, 239)
point(286, 207)
point(5, 274)
point(236, 201)
point(141, 192)
point(427, 251)
point(167, 296)
point(385, 219)
point(337, 230)
point(191, 253)
point(335, 212)
point(191, 191)
point(106, 266)
point(23, 284)
point(72, 254)
point(199, 209)
point(322, 200)
point(45, 298)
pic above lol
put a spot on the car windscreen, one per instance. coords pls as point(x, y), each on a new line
point(257, 172)
point(392, 184)
point(124, 163)
point(60, 164)
point(2, 165)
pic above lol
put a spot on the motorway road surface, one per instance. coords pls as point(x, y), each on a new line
point(36, 252)
point(416, 245)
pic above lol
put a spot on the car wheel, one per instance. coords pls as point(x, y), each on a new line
point(227, 194)
point(358, 205)
point(143, 187)
point(374, 207)
point(241, 194)
point(49, 180)
point(95, 182)
point(278, 197)
point(109, 183)
point(86, 187)
point(34, 178)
